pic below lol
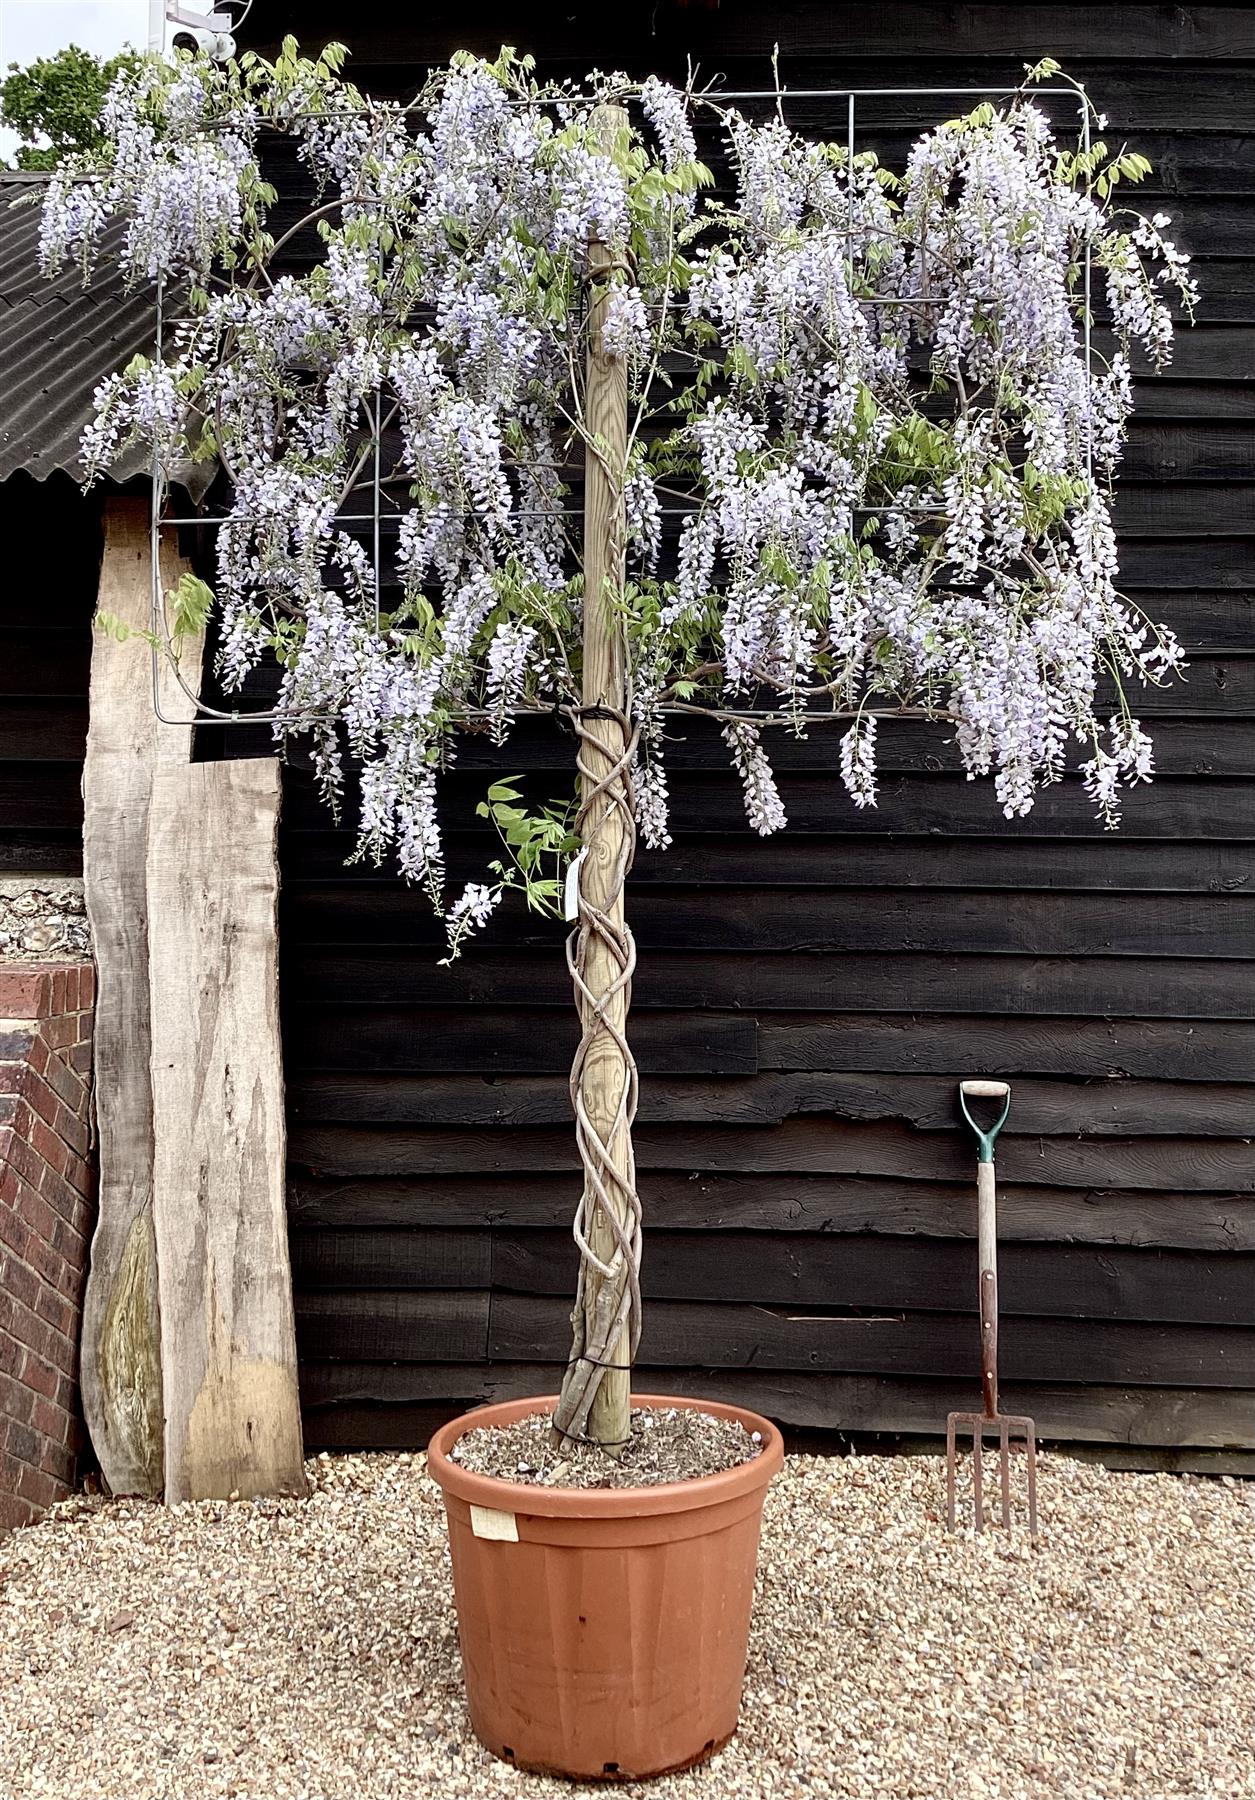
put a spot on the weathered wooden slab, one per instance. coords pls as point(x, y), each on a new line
point(120, 1366)
point(228, 1351)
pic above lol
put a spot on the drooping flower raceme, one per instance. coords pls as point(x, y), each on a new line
point(869, 465)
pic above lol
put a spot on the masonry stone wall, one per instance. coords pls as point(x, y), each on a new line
point(47, 1207)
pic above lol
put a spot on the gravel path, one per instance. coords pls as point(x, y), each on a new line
point(306, 1650)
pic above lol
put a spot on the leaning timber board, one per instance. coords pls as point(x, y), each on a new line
point(232, 1420)
point(127, 748)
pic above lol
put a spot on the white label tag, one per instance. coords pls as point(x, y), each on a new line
point(571, 892)
point(487, 1522)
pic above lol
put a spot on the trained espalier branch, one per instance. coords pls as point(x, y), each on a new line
point(857, 463)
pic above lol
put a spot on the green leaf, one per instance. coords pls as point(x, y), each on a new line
point(191, 602)
point(110, 625)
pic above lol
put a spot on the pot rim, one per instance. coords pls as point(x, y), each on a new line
point(605, 1503)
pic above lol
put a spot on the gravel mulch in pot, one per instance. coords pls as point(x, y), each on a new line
point(306, 1650)
point(668, 1443)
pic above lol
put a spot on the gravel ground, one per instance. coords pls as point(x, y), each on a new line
point(305, 1650)
point(667, 1443)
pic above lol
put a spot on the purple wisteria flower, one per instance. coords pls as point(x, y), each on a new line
point(810, 524)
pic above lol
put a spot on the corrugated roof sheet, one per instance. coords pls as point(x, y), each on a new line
point(58, 341)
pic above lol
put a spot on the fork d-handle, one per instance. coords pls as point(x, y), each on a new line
point(987, 1230)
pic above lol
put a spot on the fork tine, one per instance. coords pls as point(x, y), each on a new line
point(1006, 1432)
point(951, 1473)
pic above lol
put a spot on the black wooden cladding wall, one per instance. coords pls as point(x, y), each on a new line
point(805, 1005)
point(51, 538)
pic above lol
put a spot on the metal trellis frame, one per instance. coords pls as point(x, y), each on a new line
point(205, 714)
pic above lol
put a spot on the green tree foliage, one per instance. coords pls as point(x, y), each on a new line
point(58, 99)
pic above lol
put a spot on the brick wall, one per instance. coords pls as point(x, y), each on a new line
point(47, 1206)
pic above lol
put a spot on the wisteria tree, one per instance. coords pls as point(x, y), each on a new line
point(845, 451)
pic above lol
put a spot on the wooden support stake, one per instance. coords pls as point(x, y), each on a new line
point(228, 1349)
point(120, 1372)
point(596, 1397)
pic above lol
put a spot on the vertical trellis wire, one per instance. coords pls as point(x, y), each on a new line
point(205, 714)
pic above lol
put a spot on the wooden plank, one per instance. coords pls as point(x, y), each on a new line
point(1184, 509)
point(1211, 351)
point(440, 1041)
point(795, 1269)
point(1136, 32)
point(369, 1427)
point(120, 1376)
point(1128, 92)
point(1097, 1049)
point(1108, 864)
point(1230, 287)
point(43, 796)
point(537, 747)
point(1011, 986)
point(1220, 624)
point(797, 1147)
point(1115, 1107)
point(1170, 1461)
point(337, 1393)
point(1201, 400)
point(1219, 746)
point(945, 803)
point(733, 1202)
point(232, 1418)
point(41, 852)
point(450, 1325)
point(1220, 226)
point(951, 804)
point(1193, 452)
point(50, 728)
point(1208, 562)
point(48, 660)
point(442, 1260)
point(1103, 865)
point(424, 1327)
point(842, 919)
point(690, 1334)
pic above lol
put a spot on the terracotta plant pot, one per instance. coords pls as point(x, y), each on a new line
point(604, 1630)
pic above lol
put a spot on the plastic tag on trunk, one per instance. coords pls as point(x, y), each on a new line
point(487, 1522)
point(571, 892)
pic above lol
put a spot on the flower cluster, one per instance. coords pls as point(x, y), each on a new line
point(863, 541)
point(855, 538)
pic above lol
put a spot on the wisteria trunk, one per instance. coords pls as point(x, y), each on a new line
point(596, 1394)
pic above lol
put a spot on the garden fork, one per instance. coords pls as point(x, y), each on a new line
point(990, 1422)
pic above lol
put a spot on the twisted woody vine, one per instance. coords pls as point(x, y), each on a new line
point(863, 468)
